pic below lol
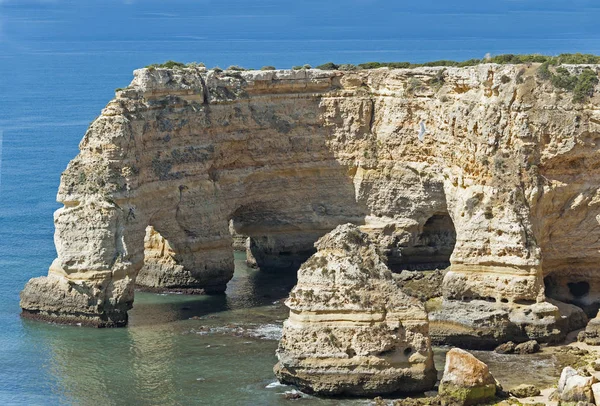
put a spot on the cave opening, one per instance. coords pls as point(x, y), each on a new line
point(573, 290)
point(430, 248)
point(579, 289)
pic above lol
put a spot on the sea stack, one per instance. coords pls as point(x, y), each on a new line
point(351, 330)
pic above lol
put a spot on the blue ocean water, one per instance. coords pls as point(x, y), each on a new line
point(60, 61)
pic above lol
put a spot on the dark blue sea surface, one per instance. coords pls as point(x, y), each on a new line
point(60, 62)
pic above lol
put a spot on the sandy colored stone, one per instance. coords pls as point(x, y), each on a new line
point(596, 391)
point(466, 380)
point(528, 347)
point(577, 389)
point(591, 334)
point(351, 330)
point(524, 391)
point(505, 348)
point(506, 178)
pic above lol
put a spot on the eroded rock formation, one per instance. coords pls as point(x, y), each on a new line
point(351, 330)
point(506, 178)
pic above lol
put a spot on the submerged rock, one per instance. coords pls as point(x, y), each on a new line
point(466, 380)
point(351, 330)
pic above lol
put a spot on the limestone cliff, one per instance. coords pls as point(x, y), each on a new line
point(506, 178)
point(351, 330)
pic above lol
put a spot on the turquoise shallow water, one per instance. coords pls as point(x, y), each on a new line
point(60, 61)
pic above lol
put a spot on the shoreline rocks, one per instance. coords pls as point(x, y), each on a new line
point(466, 380)
point(528, 347)
point(576, 388)
point(524, 391)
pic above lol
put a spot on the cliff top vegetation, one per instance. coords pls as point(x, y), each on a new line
point(576, 59)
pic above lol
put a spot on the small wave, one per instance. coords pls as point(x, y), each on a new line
point(267, 332)
point(275, 384)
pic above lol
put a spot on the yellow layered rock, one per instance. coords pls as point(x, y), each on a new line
point(505, 179)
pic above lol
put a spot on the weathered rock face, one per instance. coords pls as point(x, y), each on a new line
point(351, 330)
point(466, 380)
point(506, 179)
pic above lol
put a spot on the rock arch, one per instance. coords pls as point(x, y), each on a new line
point(289, 155)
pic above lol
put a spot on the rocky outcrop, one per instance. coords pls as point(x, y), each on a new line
point(591, 335)
point(505, 179)
point(466, 380)
point(574, 388)
point(351, 330)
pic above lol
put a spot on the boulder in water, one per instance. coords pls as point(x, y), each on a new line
point(466, 380)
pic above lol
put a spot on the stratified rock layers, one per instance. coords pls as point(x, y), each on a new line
point(351, 330)
point(506, 176)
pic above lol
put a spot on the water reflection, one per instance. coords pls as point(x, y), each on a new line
point(160, 358)
point(249, 288)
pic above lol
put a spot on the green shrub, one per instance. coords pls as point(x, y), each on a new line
point(398, 65)
point(168, 65)
point(586, 82)
point(440, 63)
point(563, 79)
point(217, 69)
point(196, 65)
point(370, 65)
point(438, 80)
point(414, 85)
point(327, 66)
point(347, 67)
point(582, 85)
point(469, 62)
point(504, 79)
point(518, 59)
point(543, 72)
point(268, 68)
point(236, 67)
point(577, 59)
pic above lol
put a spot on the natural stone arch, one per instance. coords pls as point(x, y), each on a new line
point(183, 150)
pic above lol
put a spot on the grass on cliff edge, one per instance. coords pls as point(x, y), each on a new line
point(581, 85)
point(575, 59)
